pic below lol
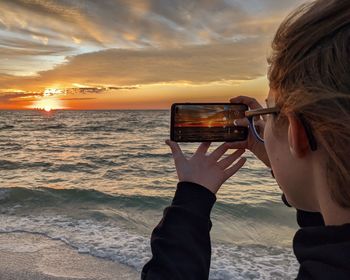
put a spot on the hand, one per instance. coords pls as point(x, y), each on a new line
point(252, 144)
point(206, 170)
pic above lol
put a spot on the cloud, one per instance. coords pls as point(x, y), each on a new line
point(128, 43)
point(20, 47)
point(165, 23)
point(78, 98)
point(241, 60)
point(6, 97)
point(17, 96)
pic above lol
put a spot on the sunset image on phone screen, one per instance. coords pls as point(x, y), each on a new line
point(208, 122)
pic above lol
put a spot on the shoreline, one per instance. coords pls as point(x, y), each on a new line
point(29, 256)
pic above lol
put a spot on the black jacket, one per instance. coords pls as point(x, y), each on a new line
point(181, 245)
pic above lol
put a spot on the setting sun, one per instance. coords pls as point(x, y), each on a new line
point(47, 104)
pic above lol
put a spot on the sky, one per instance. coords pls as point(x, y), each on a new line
point(140, 54)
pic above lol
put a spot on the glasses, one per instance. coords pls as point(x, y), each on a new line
point(255, 118)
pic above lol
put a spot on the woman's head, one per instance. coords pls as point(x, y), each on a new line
point(309, 74)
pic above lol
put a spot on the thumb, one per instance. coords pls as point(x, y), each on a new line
point(241, 122)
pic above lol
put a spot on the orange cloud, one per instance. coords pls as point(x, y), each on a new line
point(241, 60)
point(106, 46)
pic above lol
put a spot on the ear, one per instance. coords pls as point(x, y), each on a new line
point(297, 138)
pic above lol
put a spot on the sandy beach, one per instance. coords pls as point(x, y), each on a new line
point(32, 256)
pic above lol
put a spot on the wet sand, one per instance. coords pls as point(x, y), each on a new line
point(28, 256)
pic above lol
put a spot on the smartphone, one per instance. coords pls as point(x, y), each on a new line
point(207, 122)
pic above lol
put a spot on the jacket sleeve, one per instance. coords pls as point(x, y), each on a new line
point(180, 243)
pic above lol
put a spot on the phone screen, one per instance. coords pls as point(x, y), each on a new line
point(202, 122)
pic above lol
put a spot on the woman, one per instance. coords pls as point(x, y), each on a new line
point(305, 140)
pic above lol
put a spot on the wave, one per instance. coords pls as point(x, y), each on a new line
point(48, 166)
point(100, 239)
point(269, 211)
point(62, 126)
point(12, 165)
point(91, 167)
point(41, 197)
point(98, 146)
point(110, 241)
point(143, 155)
point(76, 167)
point(103, 128)
point(54, 126)
point(273, 213)
point(6, 126)
point(8, 146)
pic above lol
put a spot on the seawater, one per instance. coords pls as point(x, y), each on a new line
point(99, 181)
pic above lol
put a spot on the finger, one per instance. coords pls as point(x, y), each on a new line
point(176, 150)
point(251, 102)
point(234, 168)
point(227, 161)
point(203, 148)
point(219, 151)
point(241, 122)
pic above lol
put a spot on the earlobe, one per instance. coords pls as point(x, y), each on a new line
point(297, 138)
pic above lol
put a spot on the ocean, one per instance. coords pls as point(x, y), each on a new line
point(99, 181)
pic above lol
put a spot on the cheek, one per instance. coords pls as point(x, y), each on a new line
point(269, 140)
point(289, 174)
point(277, 154)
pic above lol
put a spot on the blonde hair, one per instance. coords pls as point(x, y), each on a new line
point(310, 69)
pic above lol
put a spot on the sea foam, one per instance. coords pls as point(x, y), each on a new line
point(108, 240)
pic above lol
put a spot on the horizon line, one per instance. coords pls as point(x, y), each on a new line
point(85, 110)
